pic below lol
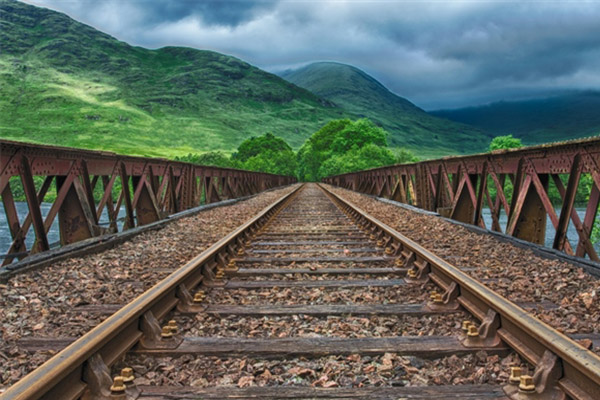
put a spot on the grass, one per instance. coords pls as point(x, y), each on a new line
point(65, 83)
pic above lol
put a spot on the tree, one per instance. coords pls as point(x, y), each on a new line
point(267, 153)
point(260, 145)
point(505, 142)
point(336, 148)
point(357, 159)
point(404, 156)
point(214, 158)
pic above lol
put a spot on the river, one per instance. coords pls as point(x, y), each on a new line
point(53, 233)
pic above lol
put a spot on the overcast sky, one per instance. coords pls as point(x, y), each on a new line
point(438, 54)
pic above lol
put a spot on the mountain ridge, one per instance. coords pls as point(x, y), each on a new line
point(546, 119)
point(356, 91)
point(69, 84)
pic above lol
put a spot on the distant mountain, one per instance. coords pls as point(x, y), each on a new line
point(66, 83)
point(536, 121)
point(359, 93)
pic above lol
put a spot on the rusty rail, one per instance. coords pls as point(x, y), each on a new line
point(562, 365)
point(71, 372)
point(459, 188)
point(89, 183)
point(563, 368)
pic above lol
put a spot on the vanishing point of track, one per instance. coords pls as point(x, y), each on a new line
point(311, 239)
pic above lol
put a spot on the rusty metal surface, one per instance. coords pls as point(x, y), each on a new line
point(562, 365)
point(149, 189)
point(459, 188)
point(124, 329)
point(529, 336)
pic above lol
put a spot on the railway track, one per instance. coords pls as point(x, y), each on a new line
point(312, 298)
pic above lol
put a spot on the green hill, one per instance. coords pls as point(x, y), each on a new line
point(410, 126)
point(65, 83)
point(557, 118)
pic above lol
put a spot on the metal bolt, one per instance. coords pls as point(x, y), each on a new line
point(372, 236)
point(127, 375)
point(389, 250)
point(199, 297)
point(526, 384)
point(411, 273)
point(240, 252)
point(118, 386)
point(173, 326)
point(515, 375)
point(473, 331)
point(166, 332)
point(465, 325)
point(438, 299)
point(433, 294)
point(380, 243)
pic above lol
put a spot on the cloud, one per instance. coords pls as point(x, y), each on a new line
point(437, 53)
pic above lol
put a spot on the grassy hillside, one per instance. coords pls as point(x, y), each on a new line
point(410, 126)
point(65, 83)
point(536, 121)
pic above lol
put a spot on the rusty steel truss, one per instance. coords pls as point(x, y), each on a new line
point(514, 182)
point(89, 182)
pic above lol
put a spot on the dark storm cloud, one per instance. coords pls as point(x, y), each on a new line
point(211, 12)
point(437, 54)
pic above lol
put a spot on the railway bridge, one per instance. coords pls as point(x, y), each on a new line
point(468, 277)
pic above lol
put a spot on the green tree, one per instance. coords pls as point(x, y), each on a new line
point(257, 145)
point(336, 148)
point(404, 156)
point(505, 142)
point(267, 153)
point(214, 158)
point(357, 159)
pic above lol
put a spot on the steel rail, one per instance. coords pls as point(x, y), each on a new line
point(62, 376)
point(579, 374)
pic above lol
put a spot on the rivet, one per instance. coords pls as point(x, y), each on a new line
point(166, 332)
point(465, 325)
point(515, 375)
point(127, 375)
point(526, 384)
point(118, 386)
point(473, 331)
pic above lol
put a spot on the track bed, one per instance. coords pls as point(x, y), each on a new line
point(312, 300)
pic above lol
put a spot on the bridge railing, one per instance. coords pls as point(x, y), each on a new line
point(527, 186)
point(84, 185)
